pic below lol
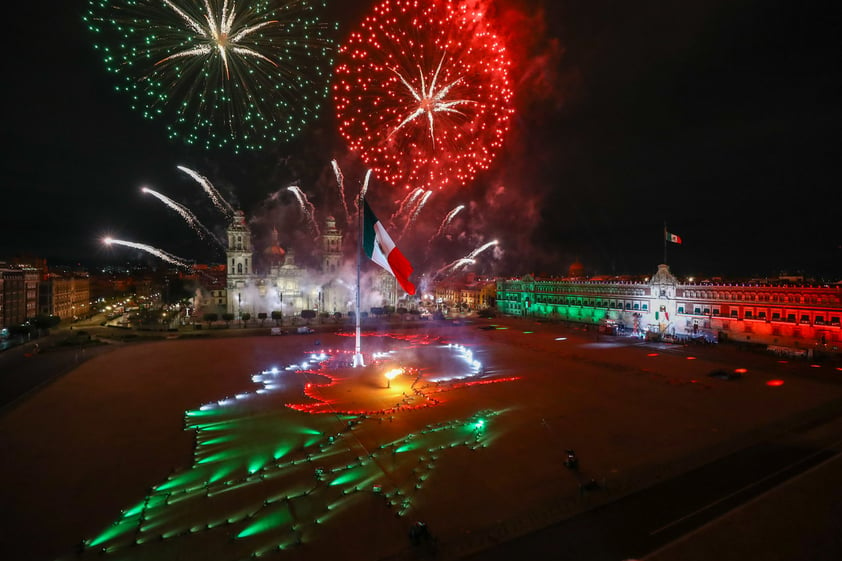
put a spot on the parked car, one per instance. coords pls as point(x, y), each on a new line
point(304, 330)
point(277, 331)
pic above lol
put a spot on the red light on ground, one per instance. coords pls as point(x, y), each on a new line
point(775, 383)
point(740, 370)
point(783, 361)
point(815, 366)
point(691, 358)
point(652, 354)
point(839, 368)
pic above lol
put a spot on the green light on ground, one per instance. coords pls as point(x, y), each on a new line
point(407, 447)
point(502, 328)
point(271, 521)
point(528, 332)
point(349, 476)
point(281, 452)
point(222, 473)
point(218, 440)
point(124, 527)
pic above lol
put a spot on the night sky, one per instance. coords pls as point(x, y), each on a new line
point(721, 117)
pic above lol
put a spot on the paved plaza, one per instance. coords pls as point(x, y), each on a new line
point(273, 447)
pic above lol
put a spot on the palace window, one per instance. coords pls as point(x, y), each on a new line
point(748, 314)
point(790, 317)
point(697, 311)
point(733, 313)
point(707, 311)
point(820, 319)
point(681, 310)
point(716, 311)
point(636, 306)
point(761, 315)
point(776, 315)
point(645, 307)
point(805, 318)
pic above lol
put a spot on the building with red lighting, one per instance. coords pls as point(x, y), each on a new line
point(782, 315)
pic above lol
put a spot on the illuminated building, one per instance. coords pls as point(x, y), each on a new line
point(283, 285)
point(785, 315)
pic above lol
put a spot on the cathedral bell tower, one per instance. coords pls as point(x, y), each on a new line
point(239, 264)
point(331, 247)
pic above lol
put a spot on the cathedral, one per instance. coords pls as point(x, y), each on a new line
point(282, 285)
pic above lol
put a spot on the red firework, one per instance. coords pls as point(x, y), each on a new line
point(423, 92)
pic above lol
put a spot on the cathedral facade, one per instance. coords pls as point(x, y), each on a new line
point(282, 285)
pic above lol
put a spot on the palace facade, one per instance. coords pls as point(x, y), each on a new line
point(780, 315)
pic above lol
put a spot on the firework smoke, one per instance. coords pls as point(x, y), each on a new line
point(185, 213)
point(307, 208)
point(161, 254)
point(220, 203)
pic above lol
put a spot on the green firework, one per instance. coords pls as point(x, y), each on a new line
point(220, 73)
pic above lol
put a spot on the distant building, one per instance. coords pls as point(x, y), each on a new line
point(12, 297)
point(465, 293)
point(67, 296)
point(772, 314)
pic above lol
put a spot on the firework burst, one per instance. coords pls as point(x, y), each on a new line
point(221, 73)
point(423, 93)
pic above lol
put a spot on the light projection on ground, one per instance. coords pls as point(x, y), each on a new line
point(273, 468)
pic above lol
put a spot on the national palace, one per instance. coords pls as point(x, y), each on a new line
point(785, 316)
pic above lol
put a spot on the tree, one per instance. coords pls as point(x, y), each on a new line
point(228, 317)
point(246, 317)
point(308, 314)
point(210, 317)
point(278, 316)
point(262, 317)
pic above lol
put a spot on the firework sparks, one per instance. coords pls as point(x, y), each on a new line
point(416, 211)
point(220, 203)
point(364, 190)
point(424, 105)
point(447, 220)
point(455, 265)
point(185, 213)
point(482, 248)
point(159, 253)
point(407, 200)
point(340, 181)
point(222, 73)
point(307, 208)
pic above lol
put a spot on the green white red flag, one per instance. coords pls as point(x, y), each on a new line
point(380, 248)
point(674, 238)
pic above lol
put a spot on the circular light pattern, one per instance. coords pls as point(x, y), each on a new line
point(423, 92)
point(221, 73)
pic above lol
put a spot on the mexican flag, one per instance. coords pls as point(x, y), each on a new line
point(674, 238)
point(382, 250)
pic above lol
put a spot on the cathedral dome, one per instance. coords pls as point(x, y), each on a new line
point(576, 270)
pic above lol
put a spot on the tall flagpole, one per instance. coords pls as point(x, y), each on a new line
point(665, 242)
point(358, 355)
